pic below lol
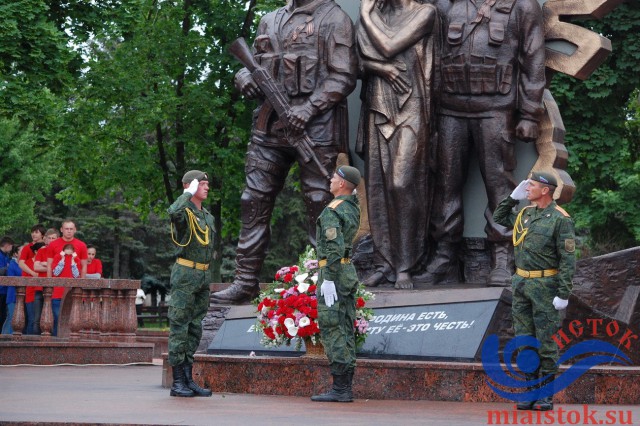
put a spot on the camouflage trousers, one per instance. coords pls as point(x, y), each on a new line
point(534, 315)
point(337, 333)
point(187, 307)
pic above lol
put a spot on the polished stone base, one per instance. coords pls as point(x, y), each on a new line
point(26, 351)
point(382, 379)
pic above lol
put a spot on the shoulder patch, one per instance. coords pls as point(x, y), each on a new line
point(563, 211)
point(334, 204)
point(570, 245)
point(331, 234)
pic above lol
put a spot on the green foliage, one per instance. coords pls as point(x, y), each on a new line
point(601, 118)
point(25, 177)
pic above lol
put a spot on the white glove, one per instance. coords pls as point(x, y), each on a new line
point(328, 290)
point(560, 304)
point(520, 193)
point(193, 187)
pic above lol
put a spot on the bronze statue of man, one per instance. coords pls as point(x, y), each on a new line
point(308, 48)
point(493, 78)
point(395, 43)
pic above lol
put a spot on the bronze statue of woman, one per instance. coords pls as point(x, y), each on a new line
point(395, 40)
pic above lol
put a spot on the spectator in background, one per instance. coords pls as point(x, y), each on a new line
point(140, 296)
point(65, 265)
point(94, 266)
point(37, 236)
point(33, 317)
point(6, 246)
point(68, 231)
point(40, 266)
point(12, 271)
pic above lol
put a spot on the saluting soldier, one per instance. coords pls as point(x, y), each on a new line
point(544, 246)
point(335, 230)
point(192, 232)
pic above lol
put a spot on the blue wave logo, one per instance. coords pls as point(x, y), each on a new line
point(513, 381)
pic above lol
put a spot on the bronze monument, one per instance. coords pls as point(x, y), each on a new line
point(307, 47)
point(395, 40)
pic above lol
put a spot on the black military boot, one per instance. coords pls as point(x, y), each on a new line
point(350, 381)
point(340, 391)
point(528, 405)
point(545, 403)
point(197, 390)
point(179, 386)
point(501, 265)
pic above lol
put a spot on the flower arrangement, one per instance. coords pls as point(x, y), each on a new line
point(287, 309)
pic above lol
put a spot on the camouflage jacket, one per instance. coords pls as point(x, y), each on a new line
point(185, 238)
point(549, 241)
point(335, 230)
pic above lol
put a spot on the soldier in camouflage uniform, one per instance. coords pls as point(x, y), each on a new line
point(192, 231)
point(335, 231)
point(544, 245)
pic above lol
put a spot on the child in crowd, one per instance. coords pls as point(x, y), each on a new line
point(65, 264)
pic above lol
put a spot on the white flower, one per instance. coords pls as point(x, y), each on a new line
point(289, 322)
point(278, 290)
point(304, 321)
point(303, 287)
point(300, 278)
point(293, 331)
point(314, 278)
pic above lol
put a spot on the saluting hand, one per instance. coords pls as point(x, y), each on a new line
point(193, 187)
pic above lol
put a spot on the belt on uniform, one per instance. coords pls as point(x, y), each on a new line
point(536, 274)
point(192, 264)
point(322, 263)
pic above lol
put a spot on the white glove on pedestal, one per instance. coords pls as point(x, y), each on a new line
point(328, 290)
point(560, 304)
point(520, 193)
point(193, 187)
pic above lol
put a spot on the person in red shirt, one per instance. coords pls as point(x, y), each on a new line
point(40, 266)
point(68, 231)
point(37, 236)
point(94, 266)
point(33, 317)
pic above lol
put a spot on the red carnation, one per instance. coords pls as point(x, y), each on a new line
point(269, 333)
point(288, 278)
point(360, 302)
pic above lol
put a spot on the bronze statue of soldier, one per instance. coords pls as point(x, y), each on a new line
point(493, 78)
point(307, 47)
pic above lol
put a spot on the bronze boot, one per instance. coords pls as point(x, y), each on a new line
point(501, 265)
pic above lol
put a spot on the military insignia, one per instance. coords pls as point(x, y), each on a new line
point(331, 233)
point(570, 245)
